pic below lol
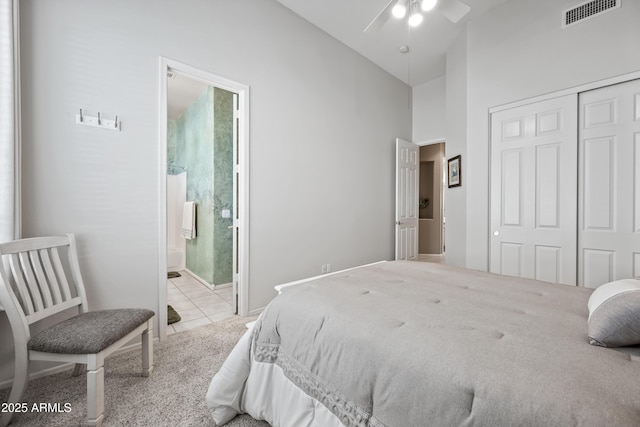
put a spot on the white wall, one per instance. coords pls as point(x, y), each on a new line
point(323, 124)
point(517, 51)
point(429, 111)
point(455, 199)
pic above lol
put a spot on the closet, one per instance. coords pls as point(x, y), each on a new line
point(565, 187)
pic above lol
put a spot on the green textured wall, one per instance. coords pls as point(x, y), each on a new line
point(201, 140)
point(194, 132)
point(223, 185)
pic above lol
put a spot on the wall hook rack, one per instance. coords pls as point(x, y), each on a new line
point(98, 121)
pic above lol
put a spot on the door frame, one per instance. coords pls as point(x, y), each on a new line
point(242, 168)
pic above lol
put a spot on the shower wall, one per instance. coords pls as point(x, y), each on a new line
point(198, 143)
point(223, 185)
point(176, 196)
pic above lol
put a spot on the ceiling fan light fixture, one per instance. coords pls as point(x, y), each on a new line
point(400, 9)
point(415, 18)
point(428, 5)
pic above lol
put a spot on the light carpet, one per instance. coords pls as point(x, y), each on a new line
point(174, 394)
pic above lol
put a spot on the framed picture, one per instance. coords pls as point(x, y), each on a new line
point(455, 171)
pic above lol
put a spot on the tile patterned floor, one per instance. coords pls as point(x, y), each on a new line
point(196, 304)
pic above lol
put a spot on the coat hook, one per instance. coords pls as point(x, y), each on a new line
point(97, 121)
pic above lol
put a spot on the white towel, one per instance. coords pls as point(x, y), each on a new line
point(189, 220)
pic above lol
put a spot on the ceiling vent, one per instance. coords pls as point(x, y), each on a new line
point(587, 10)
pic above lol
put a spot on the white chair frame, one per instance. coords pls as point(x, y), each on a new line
point(37, 287)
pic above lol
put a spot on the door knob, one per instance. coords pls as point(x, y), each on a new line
point(496, 233)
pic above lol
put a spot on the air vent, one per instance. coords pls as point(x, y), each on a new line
point(587, 10)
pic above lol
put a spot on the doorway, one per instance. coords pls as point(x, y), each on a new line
point(216, 235)
point(419, 202)
point(200, 143)
point(431, 201)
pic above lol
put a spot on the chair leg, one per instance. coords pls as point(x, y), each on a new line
point(95, 396)
point(20, 380)
point(147, 350)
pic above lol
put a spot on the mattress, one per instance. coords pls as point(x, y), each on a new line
point(413, 344)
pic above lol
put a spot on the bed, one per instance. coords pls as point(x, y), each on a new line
point(423, 344)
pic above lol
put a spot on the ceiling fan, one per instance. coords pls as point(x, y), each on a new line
point(454, 10)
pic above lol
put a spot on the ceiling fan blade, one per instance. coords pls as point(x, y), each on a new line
point(381, 18)
point(454, 10)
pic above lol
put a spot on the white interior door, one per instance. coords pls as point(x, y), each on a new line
point(609, 198)
point(407, 178)
point(534, 191)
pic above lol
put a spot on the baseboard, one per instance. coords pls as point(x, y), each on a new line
point(204, 282)
point(67, 366)
point(224, 285)
point(198, 278)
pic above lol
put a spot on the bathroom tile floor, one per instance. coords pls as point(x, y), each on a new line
point(196, 304)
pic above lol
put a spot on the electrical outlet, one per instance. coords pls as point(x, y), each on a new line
point(324, 268)
point(328, 268)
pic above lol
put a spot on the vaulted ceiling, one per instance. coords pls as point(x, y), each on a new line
point(346, 20)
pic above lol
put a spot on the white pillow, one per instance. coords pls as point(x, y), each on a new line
point(614, 314)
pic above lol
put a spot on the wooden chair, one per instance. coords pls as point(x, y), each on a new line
point(42, 278)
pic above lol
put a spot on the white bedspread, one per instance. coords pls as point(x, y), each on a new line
point(262, 391)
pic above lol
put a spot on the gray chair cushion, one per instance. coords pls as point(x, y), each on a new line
point(89, 333)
